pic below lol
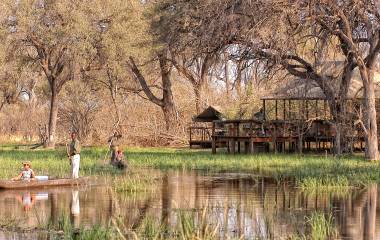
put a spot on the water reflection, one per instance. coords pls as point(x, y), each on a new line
point(27, 200)
point(75, 208)
point(241, 205)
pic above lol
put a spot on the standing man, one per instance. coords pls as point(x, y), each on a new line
point(74, 155)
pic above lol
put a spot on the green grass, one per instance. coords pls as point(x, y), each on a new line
point(309, 171)
point(134, 182)
point(51, 162)
point(65, 230)
point(321, 226)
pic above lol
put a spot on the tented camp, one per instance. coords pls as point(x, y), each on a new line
point(296, 117)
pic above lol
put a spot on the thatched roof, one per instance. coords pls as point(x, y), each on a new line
point(298, 88)
point(209, 114)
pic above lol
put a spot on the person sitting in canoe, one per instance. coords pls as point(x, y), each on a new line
point(26, 174)
point(117, 158)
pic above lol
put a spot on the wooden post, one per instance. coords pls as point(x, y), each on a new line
point(233, 143)
point(284, 110)
point(300, 105)
point(276, 110)
point(316, 108)
point(190, 128)
point(251, 145)
point(213, 138)
point(238, 134)
point(274, 137)
point(299, 139)
point(264, 108)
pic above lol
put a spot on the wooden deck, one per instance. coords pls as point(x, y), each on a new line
point(251, 136)
point(283, 124)
point(200, 136)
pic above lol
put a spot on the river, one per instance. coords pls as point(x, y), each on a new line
point(237, 204)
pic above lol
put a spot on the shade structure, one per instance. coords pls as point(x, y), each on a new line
point(210, 114)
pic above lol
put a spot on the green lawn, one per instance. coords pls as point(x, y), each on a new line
point(308, 171)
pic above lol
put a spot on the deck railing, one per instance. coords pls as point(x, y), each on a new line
point(200, 135)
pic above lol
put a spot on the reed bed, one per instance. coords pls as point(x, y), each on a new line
point(321, 226)
point(308, 171)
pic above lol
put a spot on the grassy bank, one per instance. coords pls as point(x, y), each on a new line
point(308, 171)
point(327, 173)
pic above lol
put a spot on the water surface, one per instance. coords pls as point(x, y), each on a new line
point(238, 204)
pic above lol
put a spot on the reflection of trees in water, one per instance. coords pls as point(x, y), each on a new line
point(54, 208)
point(166, 199)
point(270, 210)
point(371, 212)
point(240, 206)
point(49, 211)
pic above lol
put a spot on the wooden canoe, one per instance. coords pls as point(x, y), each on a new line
point(19, 184)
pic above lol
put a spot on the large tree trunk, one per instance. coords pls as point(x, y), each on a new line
point(116, 124)
point(227, 79)
point(167, 101)
point(337, 109)
point(198, 97)
point(168, 106)
point(169, 117)
point(340, 121)
point(53, 116)
point(370, 121)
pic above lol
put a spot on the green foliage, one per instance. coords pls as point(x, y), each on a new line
point(309, 171)
point(338, 183)
point(150, 229)
point(133, 182)
point(321, 226)
point(119, 26)
point(65, 230)
point(96, 233)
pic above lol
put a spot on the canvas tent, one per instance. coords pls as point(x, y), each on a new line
point(298, 88)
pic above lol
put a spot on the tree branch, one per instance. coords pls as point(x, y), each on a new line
point(140, 78)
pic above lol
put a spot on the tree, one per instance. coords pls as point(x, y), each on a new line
point(8, 80)
point(50, 36)
point(10, 87)
point(79, 107)
point(196, 70)
point(302, 37)
point(166, 102)
point(120, 33)
point(357, 26)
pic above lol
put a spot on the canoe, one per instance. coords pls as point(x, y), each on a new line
point(19, 184)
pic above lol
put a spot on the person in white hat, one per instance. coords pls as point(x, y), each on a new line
point(26, 173)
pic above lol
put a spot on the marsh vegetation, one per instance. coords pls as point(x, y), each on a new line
point(306, 171)
point(183, 194)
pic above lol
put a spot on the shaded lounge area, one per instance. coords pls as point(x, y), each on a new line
point(201, 130)
point(281, 125)
point(288, 125)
